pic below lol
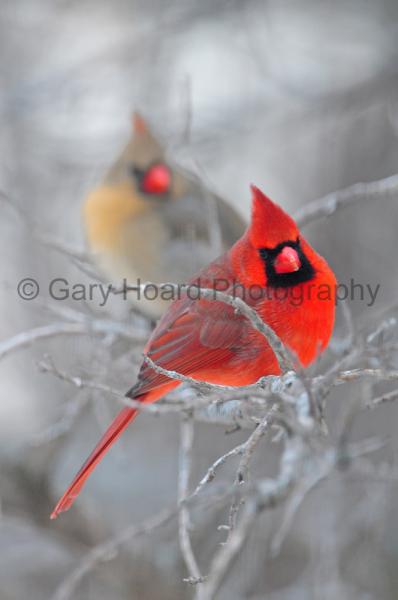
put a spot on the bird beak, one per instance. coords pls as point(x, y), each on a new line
point(287, 261)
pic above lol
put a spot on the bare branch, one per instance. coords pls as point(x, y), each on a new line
point(359, 192)
point(84, 325)
point(251, 443)
point(107, 550)
point(383, 399)
point(212, 471)
point(248, 449)
point(103, 552)
point(186, 442)
point(202, 408)
point(356, 374)
point(63, 425)
point(26, 338)
point(229, 552)
point(269, 492)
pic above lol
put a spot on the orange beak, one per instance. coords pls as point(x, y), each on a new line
point(287, 261)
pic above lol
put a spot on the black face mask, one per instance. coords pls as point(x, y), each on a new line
point(306, 272)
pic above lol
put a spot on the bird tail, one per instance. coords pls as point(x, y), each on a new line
point(116, 428)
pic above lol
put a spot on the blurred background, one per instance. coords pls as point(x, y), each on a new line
point(299, 98)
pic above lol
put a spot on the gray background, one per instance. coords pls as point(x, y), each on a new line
point(300, 98)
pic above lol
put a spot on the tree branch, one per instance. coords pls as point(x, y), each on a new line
point(359, 192)
point(186, 443)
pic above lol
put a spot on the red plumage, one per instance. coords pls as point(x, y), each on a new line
point(208, 341)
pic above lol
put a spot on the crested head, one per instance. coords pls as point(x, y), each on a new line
point(270, 225)
point(139, 124)
point(142, 138)
point(273, 253)
point(144, 153)
point(297, 297)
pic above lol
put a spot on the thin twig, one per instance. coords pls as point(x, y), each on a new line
point(64, 424)
point(252, 442)
point(383, 399)
point(248, 449)
point(357, 374)
point(229, 552)
point(185, 462)
point(269, 492)
point(27, 338)
point(212, 471)
point(328, 205)
point(105, 551)
point(202, 408)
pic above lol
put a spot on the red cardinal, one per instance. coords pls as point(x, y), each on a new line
point(275, 271)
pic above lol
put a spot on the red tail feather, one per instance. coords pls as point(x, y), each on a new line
point(113, 432)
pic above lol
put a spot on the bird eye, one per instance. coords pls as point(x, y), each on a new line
point(156, 180)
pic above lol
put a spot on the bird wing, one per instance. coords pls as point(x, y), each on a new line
point(197, 335)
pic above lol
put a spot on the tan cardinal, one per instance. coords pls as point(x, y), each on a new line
point(150, 221)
